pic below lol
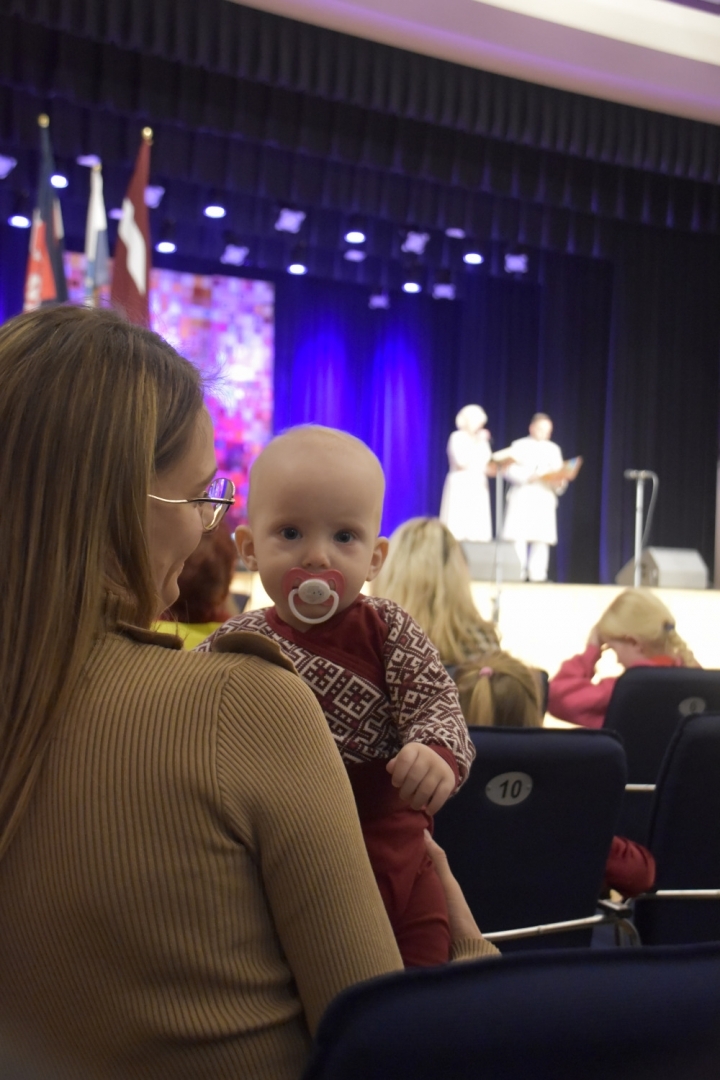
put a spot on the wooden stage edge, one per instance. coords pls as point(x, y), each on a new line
point(545, 624)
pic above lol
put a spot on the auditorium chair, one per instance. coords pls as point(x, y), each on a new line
point(529, 832)
point(566, 1014)
point(645, 709)
point(685, 840)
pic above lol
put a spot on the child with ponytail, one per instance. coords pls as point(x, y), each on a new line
point(641, 631)
point(496, 690)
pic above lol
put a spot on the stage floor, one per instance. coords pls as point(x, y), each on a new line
point(545, 624)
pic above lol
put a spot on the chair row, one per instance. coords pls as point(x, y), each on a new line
point(529, 834)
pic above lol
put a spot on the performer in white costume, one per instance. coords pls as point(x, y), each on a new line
point(530, 516)
point(465, 506)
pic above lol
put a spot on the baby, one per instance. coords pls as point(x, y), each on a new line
point(314, 511)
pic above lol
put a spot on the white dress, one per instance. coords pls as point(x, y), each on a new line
point(530, 514)
point(465, 506)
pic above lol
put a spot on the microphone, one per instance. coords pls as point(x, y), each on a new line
point(638, 474)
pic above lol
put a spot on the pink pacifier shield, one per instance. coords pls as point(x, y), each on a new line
point(330, 579)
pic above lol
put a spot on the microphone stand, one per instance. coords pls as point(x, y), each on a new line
point(639, 507)
point(499, 511)
point(640, 476)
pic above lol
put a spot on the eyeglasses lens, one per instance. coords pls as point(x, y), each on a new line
point(214, 512)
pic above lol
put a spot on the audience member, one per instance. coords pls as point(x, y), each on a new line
point(641, 631)
point(184, 886)
point(496, 690)
point(426, 574)
point(204, 584)
point(314, 510)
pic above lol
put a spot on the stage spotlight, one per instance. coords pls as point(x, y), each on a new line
point(411, 284)
point(356, 232)
point(455, 233)
point(166, 243)
point(517, 263)
point(443, 289)
point(415, 242)
point(353, 255)
point(7, 164)
point(59, 181)
point(154, 194)
point(21, 217)
point(88, 160)
point(290, 220)
point(379, 301)
point(298, 262)
point(215, 209)
point(473, 257)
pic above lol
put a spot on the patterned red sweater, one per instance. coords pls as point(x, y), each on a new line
point(377, 677)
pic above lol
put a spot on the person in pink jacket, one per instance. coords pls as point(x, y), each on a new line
point(641, 631)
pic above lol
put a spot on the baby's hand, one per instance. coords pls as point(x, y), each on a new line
point(424, 779)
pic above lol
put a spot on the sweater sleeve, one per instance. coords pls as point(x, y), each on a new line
point(630, 868)
point(424, 696)
point(573, 696)
point(287, 797)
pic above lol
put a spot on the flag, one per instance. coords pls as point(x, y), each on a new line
point(45, 278)
point(131, 272)
point(96, 240)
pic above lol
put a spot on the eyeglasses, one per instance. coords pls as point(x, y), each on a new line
point(213, 506)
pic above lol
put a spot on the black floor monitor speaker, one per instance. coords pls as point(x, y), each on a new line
point(484, 560)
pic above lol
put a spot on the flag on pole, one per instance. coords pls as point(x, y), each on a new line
point(131, 272)
point(96, 240)
point(45, 278)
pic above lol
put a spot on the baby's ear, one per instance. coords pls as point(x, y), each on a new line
point(246, 546)
point(379, 556)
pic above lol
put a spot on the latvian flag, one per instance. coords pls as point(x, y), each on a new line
point(131, 272)
point(97, 271)
point(45, 279)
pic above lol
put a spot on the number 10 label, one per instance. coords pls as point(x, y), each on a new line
point(509, 788)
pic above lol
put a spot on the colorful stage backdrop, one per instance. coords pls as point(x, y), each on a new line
point(225, 326)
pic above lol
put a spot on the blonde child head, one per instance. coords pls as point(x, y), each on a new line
point(639, 617)
point(496, 690)
point(426, 573)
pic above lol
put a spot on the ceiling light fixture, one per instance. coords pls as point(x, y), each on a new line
point(354, 255)
point(58, 180)
point(455, 233)
point(7, 164)
point(290, 220)
point(355, 233)
point(443, 289)
point(166, 243)
point(415, 242)
point(298, 262)
point(473, 257)
point(153, 195)
point(379, 301)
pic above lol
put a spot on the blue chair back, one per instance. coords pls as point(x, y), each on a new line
point(645, 709)
point(624, 1014)
point(685, 837)
point(529, 833)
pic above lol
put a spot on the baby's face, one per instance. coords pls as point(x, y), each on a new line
point(318, 511)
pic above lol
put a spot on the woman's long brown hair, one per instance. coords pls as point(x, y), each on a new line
point(90, 409)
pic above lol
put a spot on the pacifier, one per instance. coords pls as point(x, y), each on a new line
point(315, 588)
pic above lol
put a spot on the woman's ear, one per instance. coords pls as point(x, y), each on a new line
point(379, 556)
point(246, 546)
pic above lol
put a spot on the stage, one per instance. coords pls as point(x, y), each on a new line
point(544, 624)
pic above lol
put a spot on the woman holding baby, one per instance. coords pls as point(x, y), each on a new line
point(183, 882)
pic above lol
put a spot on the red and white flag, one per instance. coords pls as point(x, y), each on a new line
point(45, 278)
point(131, 273)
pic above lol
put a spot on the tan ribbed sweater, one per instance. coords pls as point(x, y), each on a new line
point(189, 888)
